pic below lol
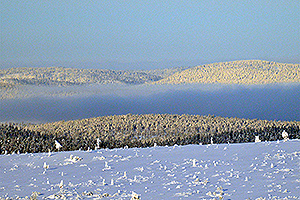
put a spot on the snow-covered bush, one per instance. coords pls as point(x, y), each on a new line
point(285, 135)
point(135, 196)
point(57, 145)
point(257, 139)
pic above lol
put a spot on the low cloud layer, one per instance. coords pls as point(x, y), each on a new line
point(271, 102)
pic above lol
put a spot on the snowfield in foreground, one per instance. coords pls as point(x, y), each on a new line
point(269, 170)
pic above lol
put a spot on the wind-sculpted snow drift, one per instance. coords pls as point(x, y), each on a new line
point(264, 170)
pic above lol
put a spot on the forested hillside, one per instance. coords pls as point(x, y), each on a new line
point(72, 76)
point(139, 131)
point(12, 80)
point(18, 82)
point(237, 72)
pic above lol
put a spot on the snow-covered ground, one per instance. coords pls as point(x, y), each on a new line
point(270, 170)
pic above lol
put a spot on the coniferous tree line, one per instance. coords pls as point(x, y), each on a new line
point(139, 131)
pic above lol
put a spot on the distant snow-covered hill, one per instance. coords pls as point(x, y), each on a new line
point(265, 170)
point(237, 72)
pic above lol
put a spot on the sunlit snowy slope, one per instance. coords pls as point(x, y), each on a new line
point(229, 171)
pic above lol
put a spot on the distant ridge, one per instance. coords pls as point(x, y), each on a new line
point(237, 72)
point(15, 81)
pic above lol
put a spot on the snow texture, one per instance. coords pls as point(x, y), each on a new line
point(264, 170)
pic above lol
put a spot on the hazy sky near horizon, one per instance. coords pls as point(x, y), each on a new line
point(143, 34)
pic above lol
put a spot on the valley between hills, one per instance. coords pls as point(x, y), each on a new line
point(141, 130)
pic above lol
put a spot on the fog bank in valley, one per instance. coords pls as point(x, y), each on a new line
point(270, 102)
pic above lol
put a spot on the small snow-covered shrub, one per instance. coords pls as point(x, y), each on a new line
point(135, 196)
point(45, 166)
point(34, 195)
point(57, 145)
point(257, 139)
point(285, 135)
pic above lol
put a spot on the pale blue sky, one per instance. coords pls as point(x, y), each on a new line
point(131, 34)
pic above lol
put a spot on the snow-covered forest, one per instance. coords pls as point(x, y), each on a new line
point(139, 131)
